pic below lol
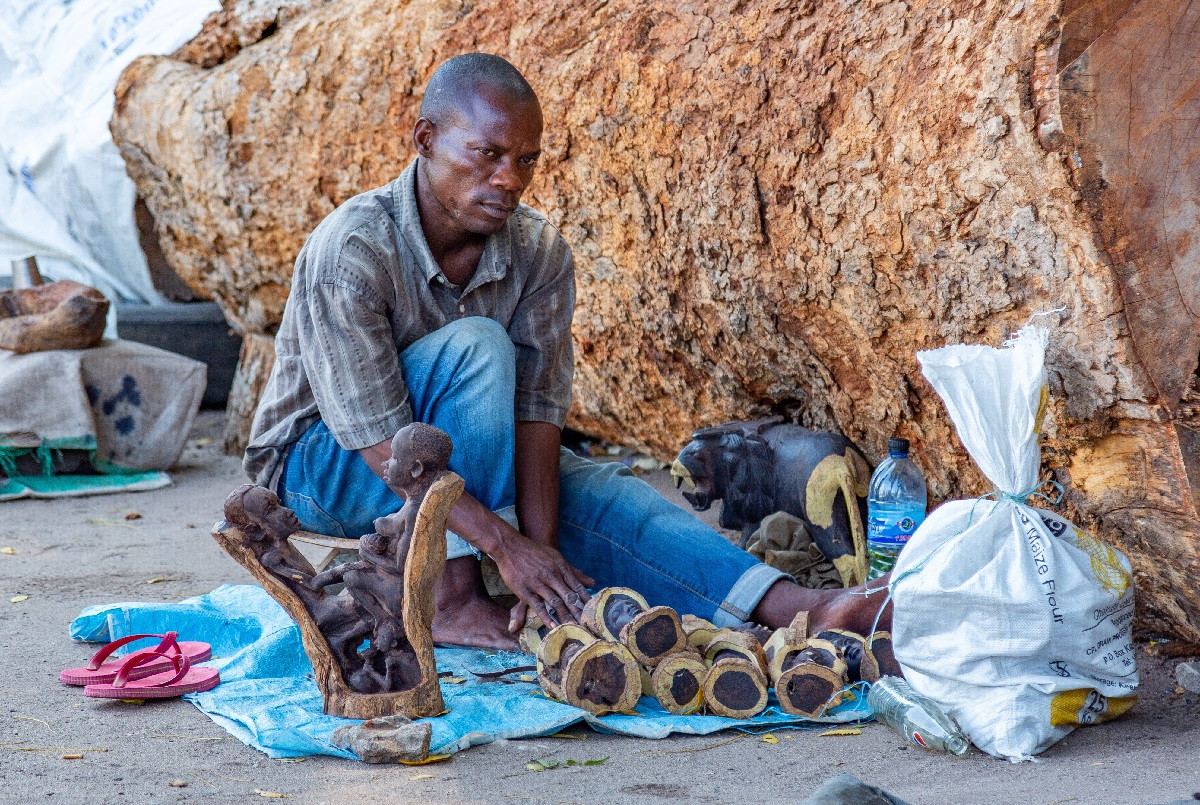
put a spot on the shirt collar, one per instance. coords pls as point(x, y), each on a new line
point(497, 251)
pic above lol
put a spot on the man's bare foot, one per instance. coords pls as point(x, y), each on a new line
point(828, 609)
point(465, 614)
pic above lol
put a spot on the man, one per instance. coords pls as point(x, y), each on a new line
point(440, 298)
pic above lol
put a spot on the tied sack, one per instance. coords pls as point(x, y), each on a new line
point(1010, 617)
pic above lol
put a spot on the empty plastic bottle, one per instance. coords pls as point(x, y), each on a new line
point(895, 507)
point(916, 717)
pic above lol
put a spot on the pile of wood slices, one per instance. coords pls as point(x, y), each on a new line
point(622, 649)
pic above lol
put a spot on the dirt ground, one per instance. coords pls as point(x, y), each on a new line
point(74, 553)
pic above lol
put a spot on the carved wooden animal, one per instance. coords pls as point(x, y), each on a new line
point(761, 467)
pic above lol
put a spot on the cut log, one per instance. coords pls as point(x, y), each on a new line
point(734, 687)
point(678, 682)
point(772, 207)
point(597, 675)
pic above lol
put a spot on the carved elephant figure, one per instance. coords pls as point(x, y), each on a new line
point(764, 466)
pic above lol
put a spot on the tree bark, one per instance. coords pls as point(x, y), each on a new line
point(773, 204)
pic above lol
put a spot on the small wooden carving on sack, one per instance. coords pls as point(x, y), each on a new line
point(388, 595)
point(57, 315)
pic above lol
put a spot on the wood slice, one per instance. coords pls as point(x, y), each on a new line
point(699, 631)
point(603, 677)
point(734, 688)
point(808, 689)
point(880, 645)
point(731, 643)
point(654, 634)
point(559, 645)
point(678, 682)
point(861, 665)
point(780, 652)
point(607, 612)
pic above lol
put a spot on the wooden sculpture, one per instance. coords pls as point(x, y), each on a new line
point(57, 315)
point(387, 602)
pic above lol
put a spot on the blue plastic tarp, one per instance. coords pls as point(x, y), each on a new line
point(268, 699)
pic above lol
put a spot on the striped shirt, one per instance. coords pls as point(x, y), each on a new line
point(365, 287)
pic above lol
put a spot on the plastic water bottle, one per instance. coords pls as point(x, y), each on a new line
point(895, 507)
point(916, 717)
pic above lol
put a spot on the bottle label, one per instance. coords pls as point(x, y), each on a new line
point(893, 526)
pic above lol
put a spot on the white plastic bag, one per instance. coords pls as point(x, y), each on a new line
point(1013, 619)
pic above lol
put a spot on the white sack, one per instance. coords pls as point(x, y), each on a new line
point(1013, 619)
point(64, 193)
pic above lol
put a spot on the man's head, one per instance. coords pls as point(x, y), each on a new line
point(479, 136)
point(417, 448)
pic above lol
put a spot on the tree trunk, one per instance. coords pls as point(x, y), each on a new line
point(773, 206)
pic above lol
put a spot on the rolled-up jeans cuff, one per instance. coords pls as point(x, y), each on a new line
point(747, 591)
point(457, 547)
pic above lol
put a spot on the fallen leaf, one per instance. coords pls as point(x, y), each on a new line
point(160, 579)
point(9, 551)
point(421, 777)
point(292, 759)
point(16, 599)
point(541, 765)
point(444, 712)
point(430, 759)
point(455, 680)
point(188, 737)
point(270, 794)
point(133, 516)
point(770, 739)
point(204, 441)
point(600, 761)
point(108, 521)
point(138, 702)
point(568, 735)
point(527, 678)
point(71, 757)
point(838, 732)
point(178, 784)
point(30, 718)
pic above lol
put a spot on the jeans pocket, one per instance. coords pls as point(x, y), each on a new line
point(312, 516)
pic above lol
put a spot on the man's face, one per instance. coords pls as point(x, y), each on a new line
point(478, 162)
point(280, 520)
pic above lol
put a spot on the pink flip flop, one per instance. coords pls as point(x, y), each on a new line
point(101, 669)
point(181, 678)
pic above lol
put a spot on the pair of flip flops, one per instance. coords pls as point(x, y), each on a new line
point(161, 672)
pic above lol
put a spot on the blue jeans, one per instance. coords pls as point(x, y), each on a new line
point(612, 525)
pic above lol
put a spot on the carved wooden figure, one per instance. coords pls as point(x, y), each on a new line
point(765, 466)
point(388, 596)
point(622, 615)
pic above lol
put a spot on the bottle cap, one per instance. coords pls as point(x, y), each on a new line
point(898, 447)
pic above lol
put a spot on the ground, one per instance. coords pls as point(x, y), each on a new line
point(77, 552)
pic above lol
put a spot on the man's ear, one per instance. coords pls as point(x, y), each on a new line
point(423, 134)
point(417, 468)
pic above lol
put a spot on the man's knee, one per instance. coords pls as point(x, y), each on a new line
point(479, 336)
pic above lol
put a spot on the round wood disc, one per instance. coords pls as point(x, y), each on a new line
point(735, 688)
point(603, 678)
point(809, 689)
point(678, 683)
point(654, 634)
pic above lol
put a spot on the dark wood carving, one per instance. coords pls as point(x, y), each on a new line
point(387, 601)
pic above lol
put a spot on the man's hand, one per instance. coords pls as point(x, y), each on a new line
point(543, 580)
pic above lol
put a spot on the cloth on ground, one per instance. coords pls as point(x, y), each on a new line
point(62, 486)
point(128, 404)
point(268, 700)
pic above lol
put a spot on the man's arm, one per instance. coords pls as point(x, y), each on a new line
point(537, 458)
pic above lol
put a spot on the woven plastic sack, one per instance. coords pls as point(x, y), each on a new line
point(1012, 618)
